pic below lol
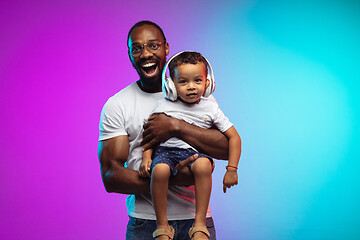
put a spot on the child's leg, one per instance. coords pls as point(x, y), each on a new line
point(159, 188)
point(202, 170)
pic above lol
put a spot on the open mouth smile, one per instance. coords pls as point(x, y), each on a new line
point(150, 69)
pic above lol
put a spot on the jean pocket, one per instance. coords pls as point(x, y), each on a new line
point(136, 224)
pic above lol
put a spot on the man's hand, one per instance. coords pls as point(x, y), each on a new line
point(184, 176)
point(158, 129)
point(144, 170)
point(230, 179)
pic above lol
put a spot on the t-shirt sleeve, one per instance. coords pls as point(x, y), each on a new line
point(112, 121)
point(221, 121)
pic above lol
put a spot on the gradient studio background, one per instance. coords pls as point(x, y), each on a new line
point(287, 75)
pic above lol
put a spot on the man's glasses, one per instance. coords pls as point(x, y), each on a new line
point(152, 47)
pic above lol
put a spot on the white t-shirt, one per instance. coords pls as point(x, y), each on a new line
point(124, 114)
point(205, 114)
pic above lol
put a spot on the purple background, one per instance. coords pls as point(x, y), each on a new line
point(287, 76)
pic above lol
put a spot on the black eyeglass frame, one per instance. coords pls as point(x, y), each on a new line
point(142, 46)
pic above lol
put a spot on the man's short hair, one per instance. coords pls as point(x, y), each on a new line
point(142, 23)
point(186, 57)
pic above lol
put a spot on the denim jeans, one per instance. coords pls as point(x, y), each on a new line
point(142, 229)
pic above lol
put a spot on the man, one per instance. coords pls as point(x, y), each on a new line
point(121, 137)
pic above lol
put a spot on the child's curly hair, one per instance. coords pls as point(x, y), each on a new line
point(186, 57)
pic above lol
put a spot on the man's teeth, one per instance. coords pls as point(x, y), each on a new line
point(148, 65)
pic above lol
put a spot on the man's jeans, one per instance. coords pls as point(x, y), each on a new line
point(141, 229)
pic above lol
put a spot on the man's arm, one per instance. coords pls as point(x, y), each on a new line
point(113, 154)
point(160, 127)
point(117, 178)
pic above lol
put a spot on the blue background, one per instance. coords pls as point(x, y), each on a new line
point(287, 75)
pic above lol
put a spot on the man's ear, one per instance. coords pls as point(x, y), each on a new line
point(166, 48)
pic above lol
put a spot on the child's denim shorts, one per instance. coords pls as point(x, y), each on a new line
point(173, 155)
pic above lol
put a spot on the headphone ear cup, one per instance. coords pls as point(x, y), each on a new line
point(168, 85)
point(169, 89)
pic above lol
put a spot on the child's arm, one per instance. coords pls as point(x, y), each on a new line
point(161, 127)
point(144, 170)
point(231, 177)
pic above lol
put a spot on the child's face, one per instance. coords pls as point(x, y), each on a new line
point(190, 81)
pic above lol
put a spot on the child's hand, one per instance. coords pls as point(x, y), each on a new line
point(230, 179)
point(144, 170)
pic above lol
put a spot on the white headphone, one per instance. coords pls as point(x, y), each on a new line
point(168, 85)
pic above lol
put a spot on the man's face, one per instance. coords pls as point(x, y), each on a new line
point(149, 65)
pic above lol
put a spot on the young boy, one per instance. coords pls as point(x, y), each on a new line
point(189, 71)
